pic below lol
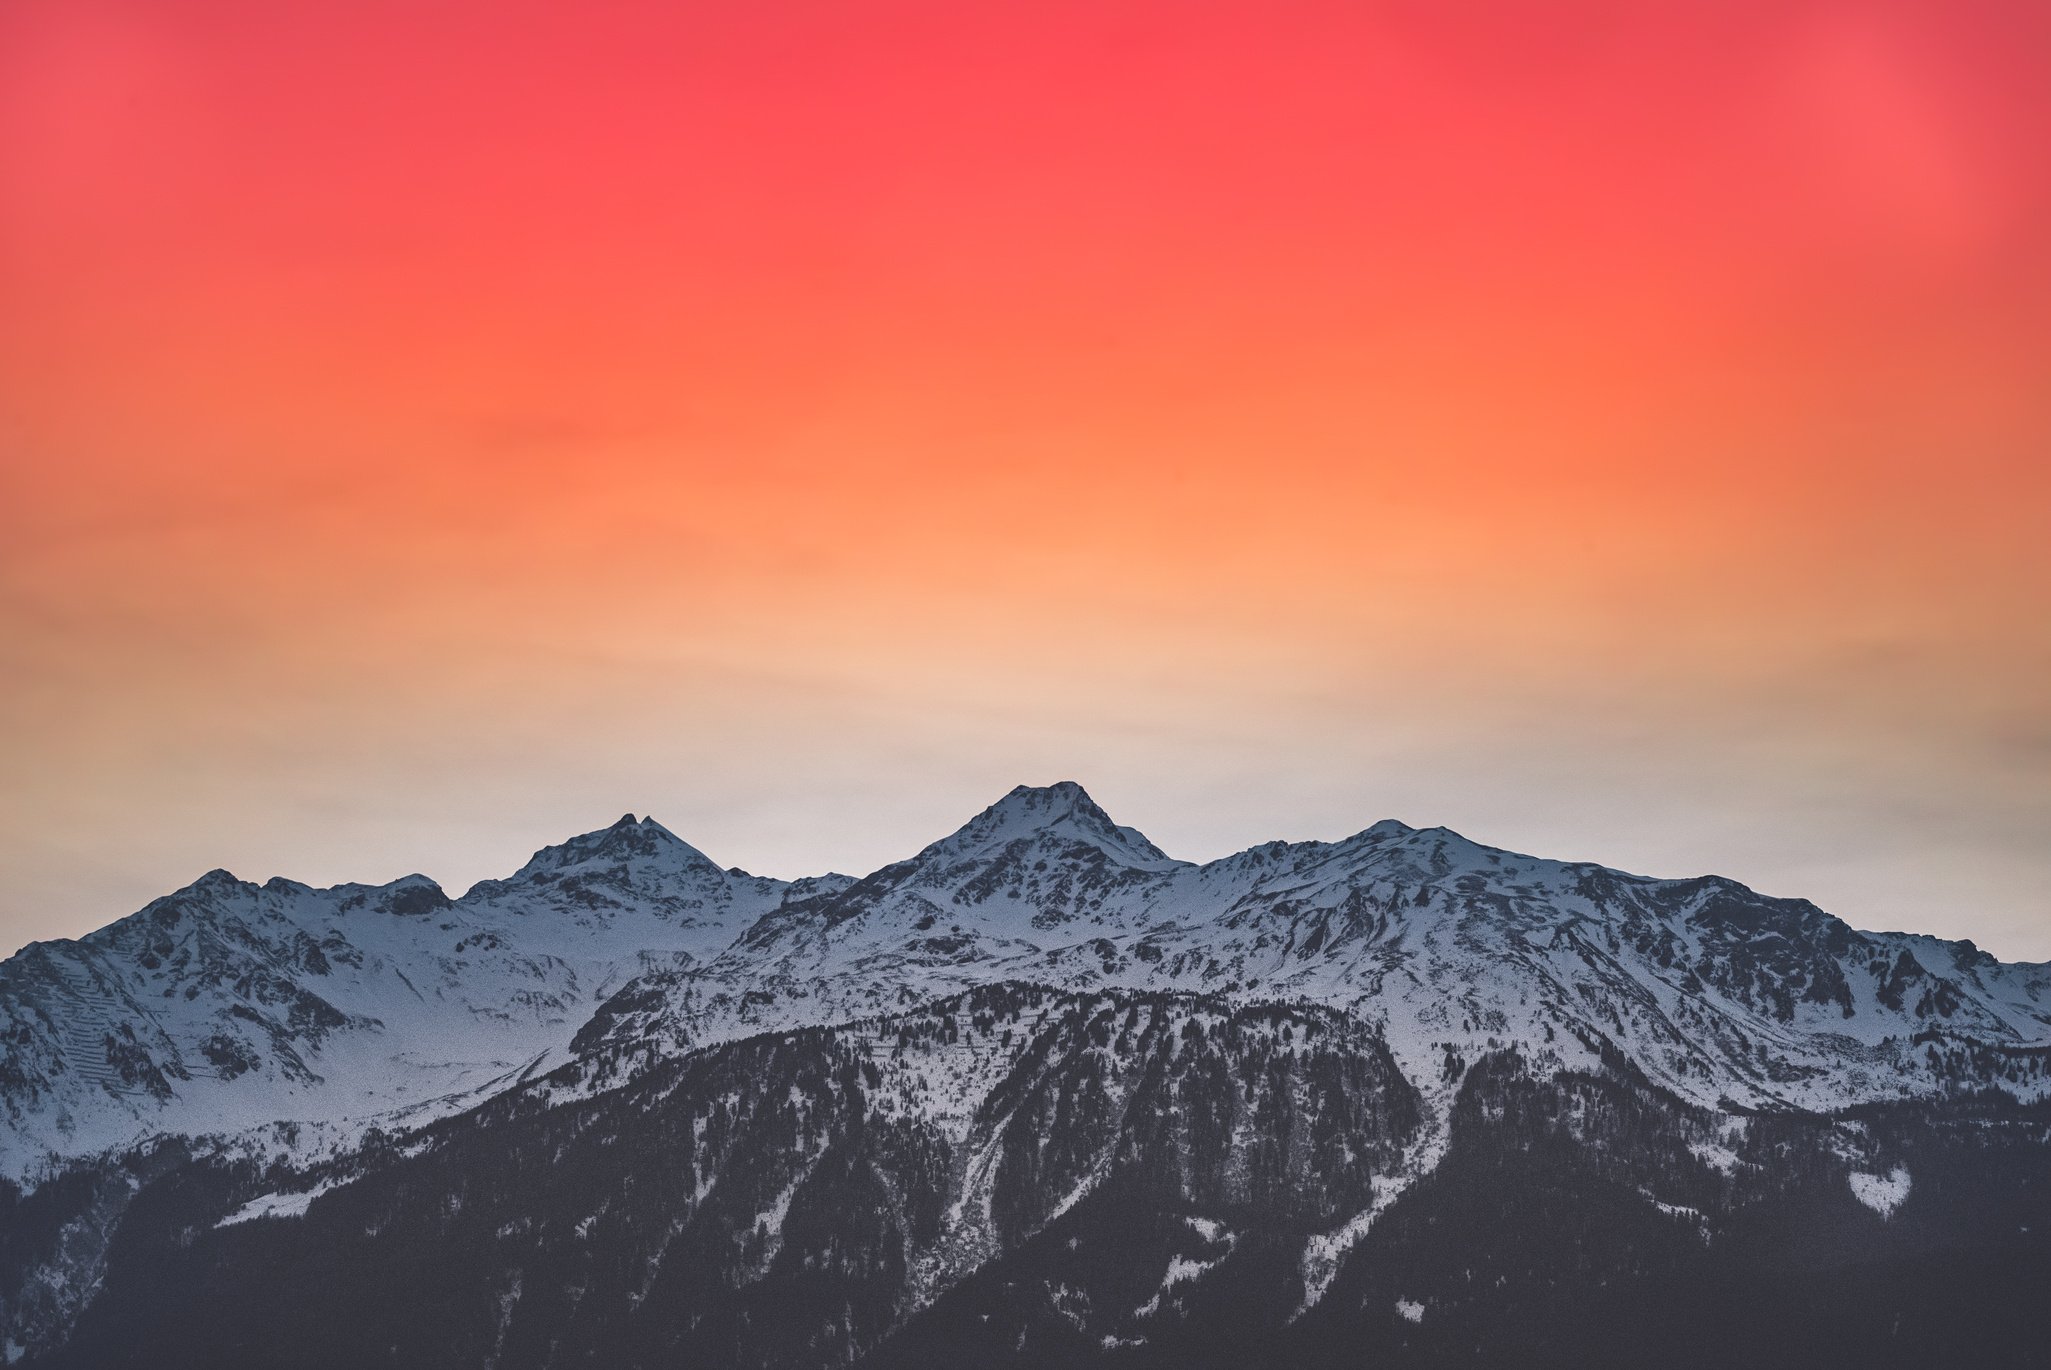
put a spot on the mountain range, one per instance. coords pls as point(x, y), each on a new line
point(1039, 1094)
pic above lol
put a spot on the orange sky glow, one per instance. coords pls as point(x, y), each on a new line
point(1618, 431)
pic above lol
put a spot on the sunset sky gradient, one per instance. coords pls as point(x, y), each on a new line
point(1615, 430)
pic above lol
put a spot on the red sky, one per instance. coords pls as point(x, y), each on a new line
point(1616, 430)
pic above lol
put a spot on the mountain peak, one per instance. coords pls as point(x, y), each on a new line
point(630, 840)
point(1061, 797)
point(1063, 811)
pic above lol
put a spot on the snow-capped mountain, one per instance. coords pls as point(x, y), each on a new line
point(227, 1005)
point(1716, 992)
point(1038, 1094)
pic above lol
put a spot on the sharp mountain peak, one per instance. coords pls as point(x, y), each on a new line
point(629, 839)
point(1063, 811)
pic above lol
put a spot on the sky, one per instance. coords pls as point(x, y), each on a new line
point(1616, 431)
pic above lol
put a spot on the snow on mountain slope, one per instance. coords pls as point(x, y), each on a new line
point(1033, 872)
point(227, 1004)
point(1019, 1176)
point(1451, 948)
